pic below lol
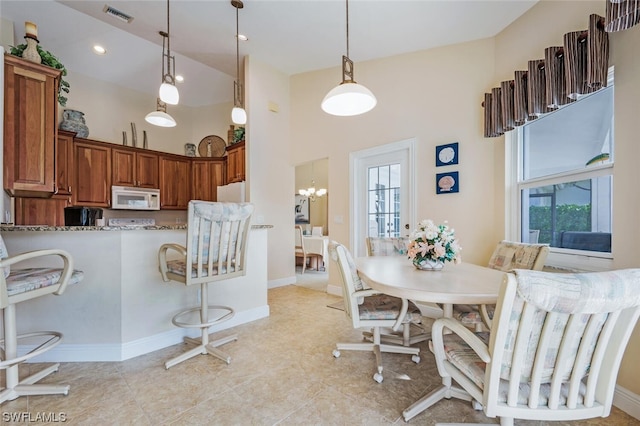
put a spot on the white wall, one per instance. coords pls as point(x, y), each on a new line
point(433, 96)
point(270, 174)
point(110, 109)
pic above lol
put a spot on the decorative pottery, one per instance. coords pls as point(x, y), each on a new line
point(124, 138)
point(428, 264)
point(31, 52)
point(134, 135)
point(190, 149)
point(145, 140)
point(73, 121)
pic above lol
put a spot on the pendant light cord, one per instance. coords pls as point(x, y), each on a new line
point(237, 47)
point(168, 42)
point(347, 2)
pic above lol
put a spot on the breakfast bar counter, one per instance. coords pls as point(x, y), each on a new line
point(122, 308)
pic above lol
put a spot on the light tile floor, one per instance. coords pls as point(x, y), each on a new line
point(282, 372)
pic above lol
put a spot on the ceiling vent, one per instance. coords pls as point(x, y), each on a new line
point(112, 11)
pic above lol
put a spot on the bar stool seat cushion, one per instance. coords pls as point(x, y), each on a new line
point(29, 279)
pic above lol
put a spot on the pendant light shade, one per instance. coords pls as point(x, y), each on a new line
point(168, 91)
point(348, 98)
point(238, 114)
point(169, 94)
point(159, 117)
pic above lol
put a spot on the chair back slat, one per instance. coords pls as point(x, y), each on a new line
point(517, 363)
point(537, 372)
point(589, 356)
point(599, 356)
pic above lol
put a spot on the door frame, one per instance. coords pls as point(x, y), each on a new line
point(356, 160)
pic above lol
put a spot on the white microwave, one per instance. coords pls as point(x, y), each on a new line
point(130, 198)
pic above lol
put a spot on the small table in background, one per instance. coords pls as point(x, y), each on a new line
point(314, 244)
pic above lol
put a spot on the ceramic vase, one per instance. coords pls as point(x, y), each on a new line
point(428, 264)
point(73, 121)
point(31, 52)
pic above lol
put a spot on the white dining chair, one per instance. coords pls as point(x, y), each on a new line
point(316, 231)
point(553, 352)
point(370, 309)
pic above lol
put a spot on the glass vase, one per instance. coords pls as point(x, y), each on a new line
point(428, 264)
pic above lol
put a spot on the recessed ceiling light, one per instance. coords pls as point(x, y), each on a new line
point(99, 50)
point(242, 37)
point(179, 78)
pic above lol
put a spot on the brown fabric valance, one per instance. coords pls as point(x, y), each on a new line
point(578, 67)
point(622, 14)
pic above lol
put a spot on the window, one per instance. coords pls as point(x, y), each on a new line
point(564, 180)
point(383, 200)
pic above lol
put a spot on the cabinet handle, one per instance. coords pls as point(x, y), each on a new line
point(69, 189)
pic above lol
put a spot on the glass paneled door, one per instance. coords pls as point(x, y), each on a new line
point(383, 188)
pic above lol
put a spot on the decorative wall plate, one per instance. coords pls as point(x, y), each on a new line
point(211, 146)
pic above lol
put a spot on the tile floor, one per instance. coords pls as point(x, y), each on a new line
point(282, 373)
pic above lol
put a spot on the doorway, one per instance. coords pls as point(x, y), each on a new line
point(383, 192)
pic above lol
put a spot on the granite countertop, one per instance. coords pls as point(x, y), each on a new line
point(11, 228)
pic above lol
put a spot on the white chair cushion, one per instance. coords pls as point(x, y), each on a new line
point(29, 279)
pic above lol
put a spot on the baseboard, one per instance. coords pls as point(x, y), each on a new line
point(281, 282)
point(120, 352)
point(336, 290)
point(627, 401)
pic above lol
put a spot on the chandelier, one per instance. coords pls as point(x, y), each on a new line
point(312, 193)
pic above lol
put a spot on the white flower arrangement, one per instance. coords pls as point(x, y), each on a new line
point(431, 242)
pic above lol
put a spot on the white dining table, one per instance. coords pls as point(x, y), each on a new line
point(464, 283)
point(315, 244)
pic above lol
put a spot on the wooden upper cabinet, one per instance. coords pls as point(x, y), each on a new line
point(236, 163)
point(206, 176)
point(30, 114)
point(175, 182)
point(134, 168)
point(64, 163)
point(92, 163)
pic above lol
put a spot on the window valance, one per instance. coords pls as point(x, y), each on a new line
point(566, 72)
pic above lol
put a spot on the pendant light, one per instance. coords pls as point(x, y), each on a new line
point(238, 114)
point(168, 90)
point(348, 98)
point(159, 117)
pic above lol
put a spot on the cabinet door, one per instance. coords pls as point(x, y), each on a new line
point(206, 176)
point(147, 170)
point(201, 189)
point(40, 211)
point(64, 164)
point(93, 175)
point(30, 109)
point(175, 183)
point(235, 163)
point(123, 167)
